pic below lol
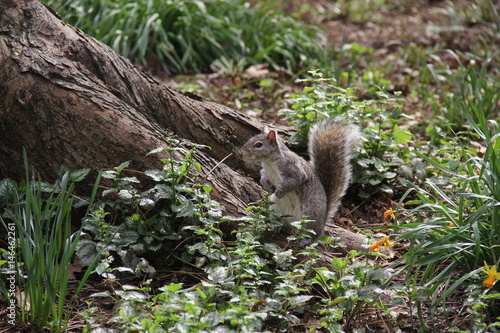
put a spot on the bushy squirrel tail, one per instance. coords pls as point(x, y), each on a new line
point(331, 143)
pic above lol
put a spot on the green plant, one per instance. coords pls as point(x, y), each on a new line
point(348, 62)
point(45, 245)
point(150, 218)
point(362, 11)
point(248, 283)
point(477, 12)
point(460, 91)
point(349, 286)
point(196, 35)
point(456, 226)
point(384, 152)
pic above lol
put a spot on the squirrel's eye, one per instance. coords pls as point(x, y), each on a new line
point(258, 145)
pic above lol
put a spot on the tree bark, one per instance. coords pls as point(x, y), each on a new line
point(71, 100)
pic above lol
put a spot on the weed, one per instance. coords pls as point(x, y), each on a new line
point(469, 88)
point(249, 283)
point(384, 151)
point(456, 226)
point(362, 11)
point(153, 218)
point(45, 247)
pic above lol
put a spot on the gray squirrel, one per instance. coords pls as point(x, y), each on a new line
point(300, 188)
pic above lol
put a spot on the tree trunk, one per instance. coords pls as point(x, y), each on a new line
point(71, 100)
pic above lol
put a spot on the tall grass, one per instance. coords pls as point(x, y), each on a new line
point(192, 35)
point(461, 90)
point(456, 227)
point(45, 248)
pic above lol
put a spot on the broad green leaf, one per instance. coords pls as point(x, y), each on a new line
point(125, 195)
point(218, 274)
point(403, 136)
point(157, 175)
point(121, 167)
point(78, 175)
point(86, 251)
point(380, 274)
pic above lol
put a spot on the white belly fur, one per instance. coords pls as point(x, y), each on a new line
point(290, 203)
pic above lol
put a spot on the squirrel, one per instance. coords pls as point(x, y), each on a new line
point(300, 188)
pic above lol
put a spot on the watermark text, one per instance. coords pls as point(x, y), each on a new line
point(11, 273)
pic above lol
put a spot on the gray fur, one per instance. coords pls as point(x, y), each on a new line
point(299, 186)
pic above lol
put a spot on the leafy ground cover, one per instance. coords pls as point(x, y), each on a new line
point(421, 78)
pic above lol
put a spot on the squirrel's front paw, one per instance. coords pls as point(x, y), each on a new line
point(279, 194)
point(270, 188)
point(267, 185)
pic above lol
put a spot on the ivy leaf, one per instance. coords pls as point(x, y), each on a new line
point(7, 190)
point(134, 295)
point(163, 191)
point(283, 256)
point(128, 237)
point(138, 248)
point(214, 212)
point(380, 274)
point(108, 191)
point(126, 270)
point(300, 299)
point(86, 251)
point(389, 175)
point(184, 210)
point(183, 188)
point(131, 179)
point(125, 195)
point(78, 175)
point(403, 136)
point(128, 309)
point(146, 203)
point(109, 174)
point(154, 151)
point(369, 292)
point(217, 274)
point(157, 175)
point(47, 188)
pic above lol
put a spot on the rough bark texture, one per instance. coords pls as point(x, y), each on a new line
point(71, 100)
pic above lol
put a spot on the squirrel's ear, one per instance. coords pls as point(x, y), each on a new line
point(272, 135)
point(265, 130)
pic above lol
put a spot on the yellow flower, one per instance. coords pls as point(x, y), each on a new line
point(384, 241)
point(390, 213)
point(452, 224)
point(493, 275)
